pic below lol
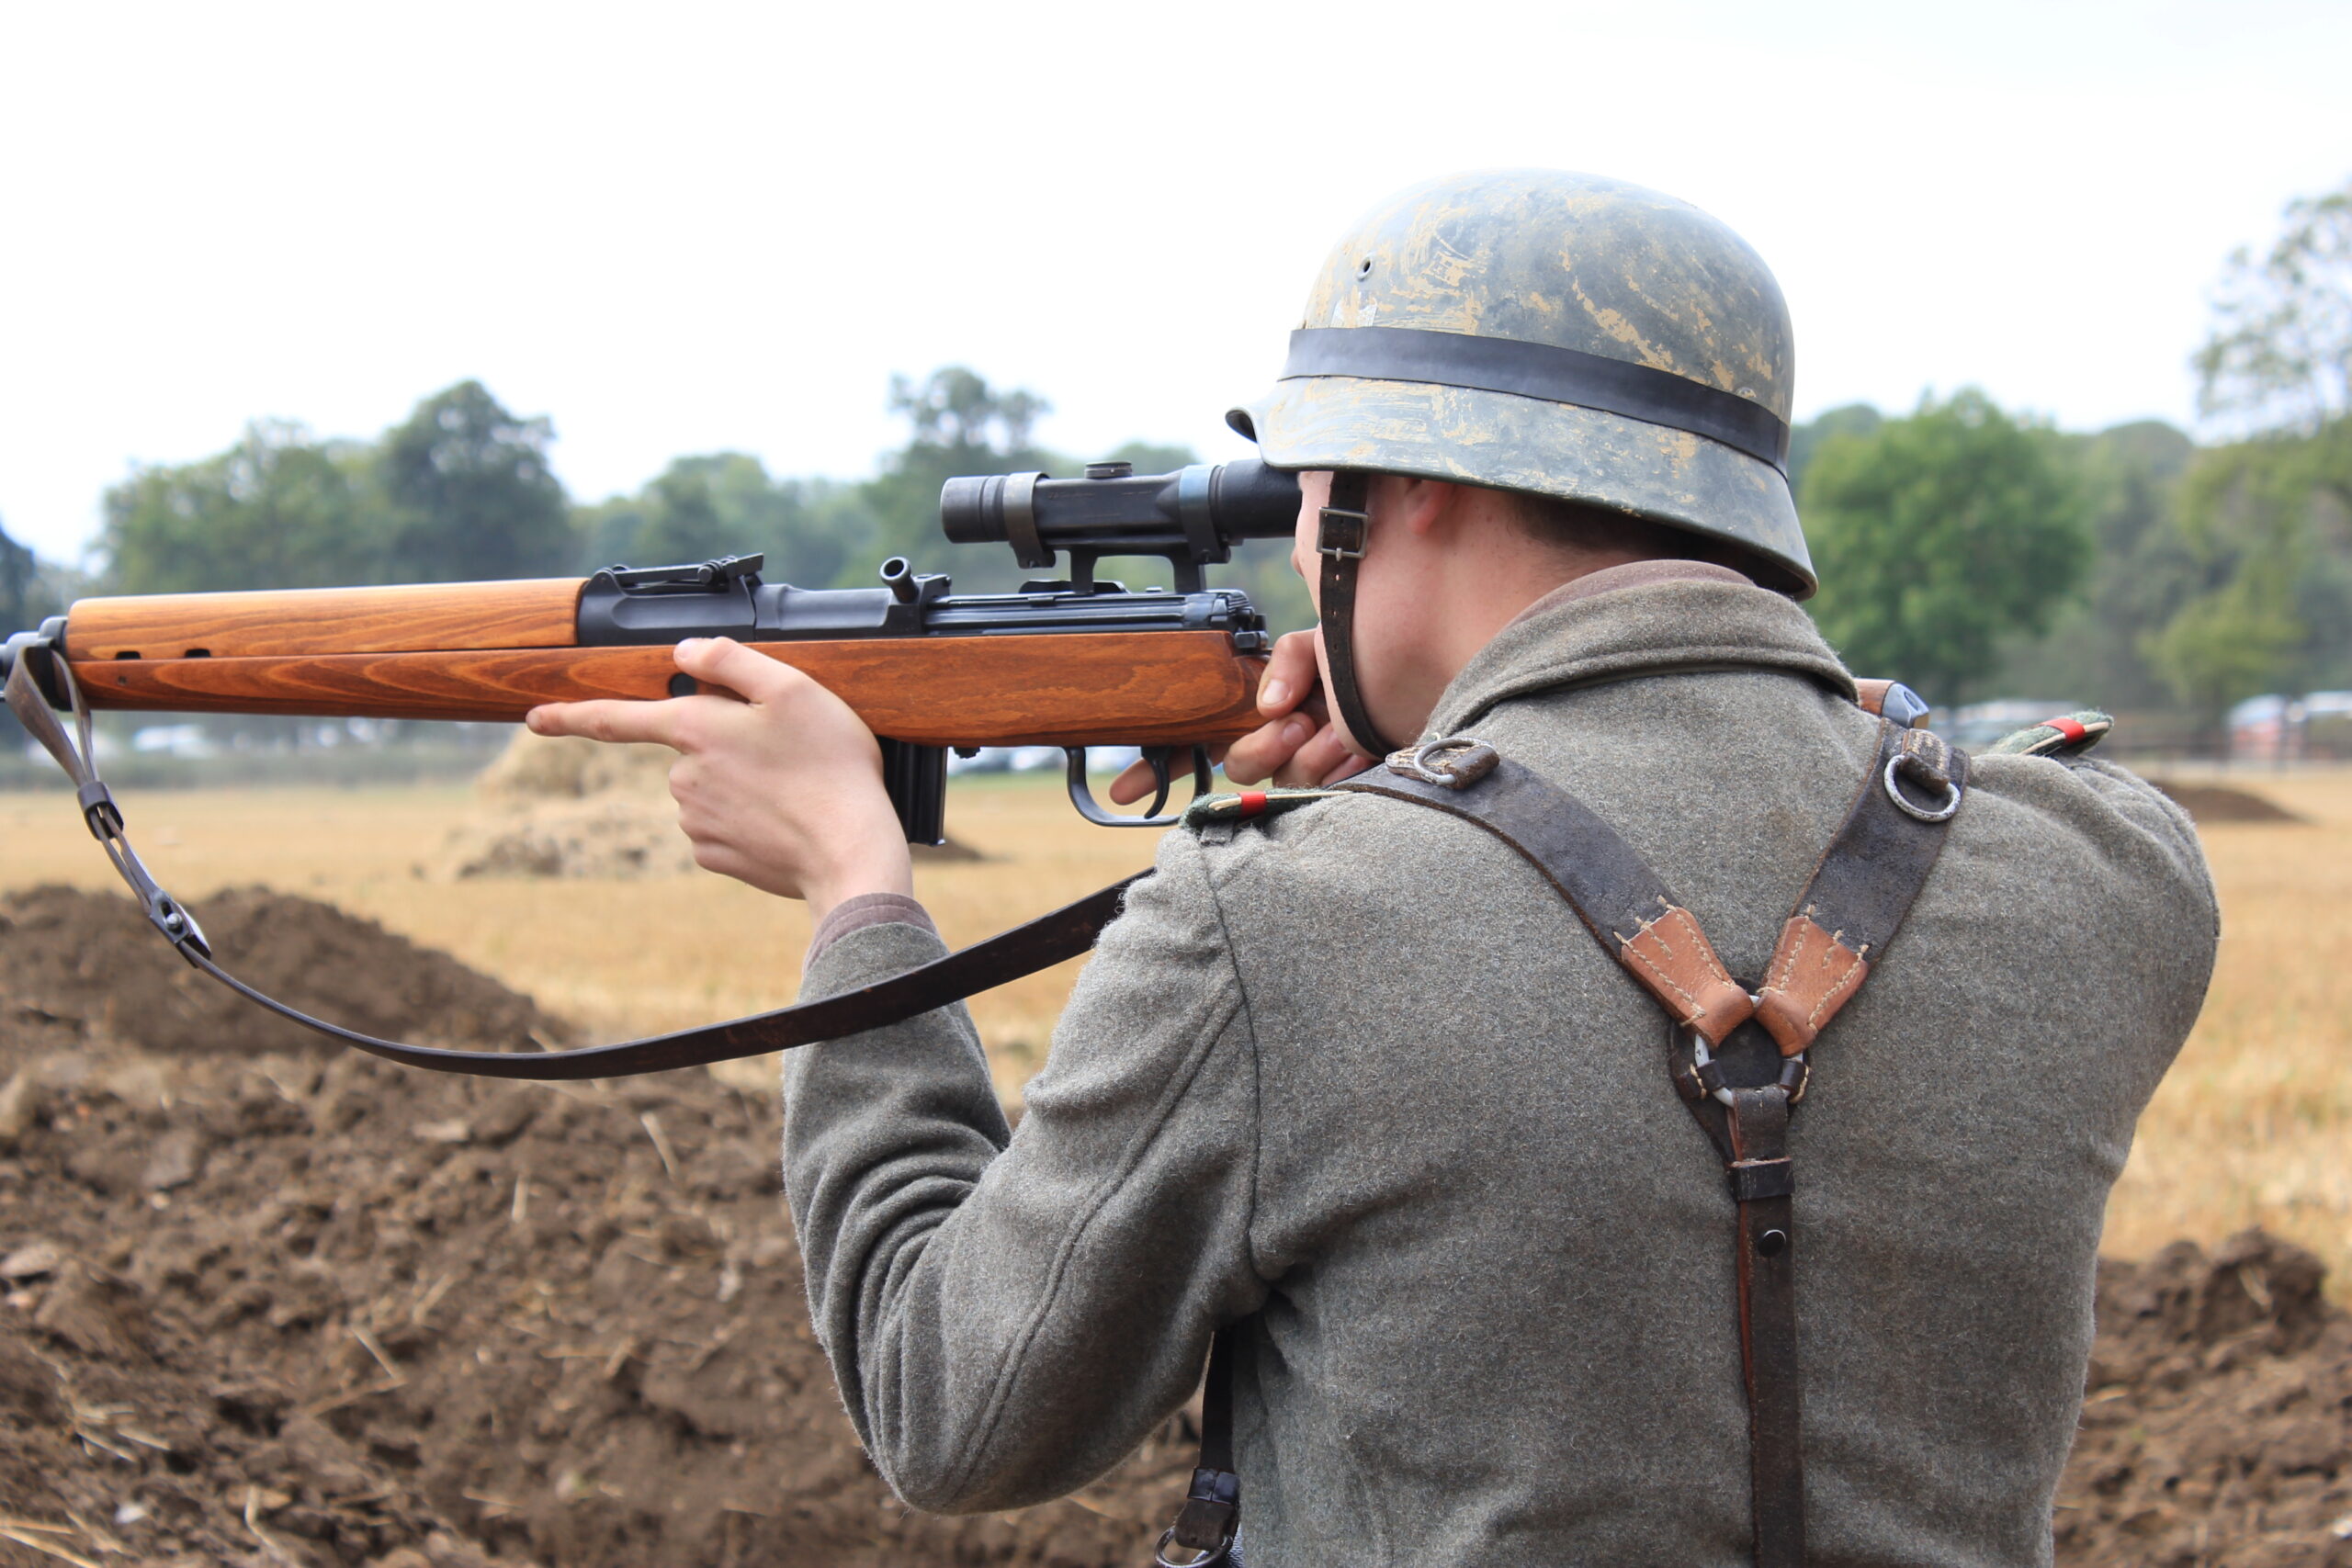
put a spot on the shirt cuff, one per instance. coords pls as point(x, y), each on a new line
point(867, 909)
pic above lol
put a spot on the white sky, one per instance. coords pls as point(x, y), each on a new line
point(694, 227)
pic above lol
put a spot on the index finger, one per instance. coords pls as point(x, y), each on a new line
point(611, 718)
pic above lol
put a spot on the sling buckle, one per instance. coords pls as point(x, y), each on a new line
point(1205, 1528)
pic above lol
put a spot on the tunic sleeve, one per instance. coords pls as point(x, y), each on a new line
point(1010, 1314)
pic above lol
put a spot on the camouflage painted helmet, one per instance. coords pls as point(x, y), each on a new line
point(1557, 333)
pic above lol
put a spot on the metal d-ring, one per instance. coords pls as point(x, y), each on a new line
point(1796, 1071)
point(1925, 814)
point(1458, 761)
point(1206, 1560)
point(1082, 795)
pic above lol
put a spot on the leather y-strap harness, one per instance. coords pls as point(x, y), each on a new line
point(1737, 1057)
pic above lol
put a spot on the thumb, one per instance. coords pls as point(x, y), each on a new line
point(1290, 675)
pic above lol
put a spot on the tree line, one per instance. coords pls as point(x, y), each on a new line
point(1967, 550)
point(1975, 552)
point(463, 490)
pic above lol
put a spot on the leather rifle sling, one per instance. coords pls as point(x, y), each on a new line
point(1745, 1068)
point(1038, 944)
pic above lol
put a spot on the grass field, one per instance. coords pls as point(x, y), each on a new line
point(2254, 1125)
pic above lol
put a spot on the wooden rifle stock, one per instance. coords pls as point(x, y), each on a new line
point(494, 651)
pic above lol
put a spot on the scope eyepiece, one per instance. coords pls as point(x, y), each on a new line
point(1192, 517)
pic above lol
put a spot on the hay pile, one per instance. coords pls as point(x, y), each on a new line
point(560, 807)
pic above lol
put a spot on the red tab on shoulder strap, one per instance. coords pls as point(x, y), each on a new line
point(2072, 732)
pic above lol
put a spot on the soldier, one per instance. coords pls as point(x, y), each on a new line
point(1352, 1086)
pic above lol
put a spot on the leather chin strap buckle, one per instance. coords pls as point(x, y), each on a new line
point(1340, 532)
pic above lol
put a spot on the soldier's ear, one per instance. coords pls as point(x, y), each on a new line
point(1421, 506)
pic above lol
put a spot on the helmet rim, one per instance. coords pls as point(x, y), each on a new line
point(1503, 441)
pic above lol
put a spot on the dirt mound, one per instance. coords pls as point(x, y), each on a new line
point(310, 1309)
point(90, 963)
point(2219, 802)
point(2217, 1425)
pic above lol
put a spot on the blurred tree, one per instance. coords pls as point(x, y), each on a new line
point(2229, 644)
point(2265, 522)
point(683, 524)
point(472, 492)
point(726, 503)
point(1939, 534)
point(278, 509)
point(2143, 571)
point(2279, 358)
point(27, 594)
point(1848, 419)
point(958, 424)
point(2268, 519)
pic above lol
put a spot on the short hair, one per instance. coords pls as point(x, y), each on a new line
point(1572, 524)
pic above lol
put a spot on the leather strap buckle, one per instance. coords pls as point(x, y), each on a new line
point(1205, 1528)
point(99, 810)
point(1340, 532)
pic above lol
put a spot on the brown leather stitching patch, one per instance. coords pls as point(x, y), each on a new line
point(1671, 956)
point(1813, 973)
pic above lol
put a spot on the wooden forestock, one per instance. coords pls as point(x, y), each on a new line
point(447, 616)
point(493, 652)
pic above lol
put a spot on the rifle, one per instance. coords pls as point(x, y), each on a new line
point(1073, 662)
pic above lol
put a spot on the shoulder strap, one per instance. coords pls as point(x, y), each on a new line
point(1627, 907)
point(1738, 1061)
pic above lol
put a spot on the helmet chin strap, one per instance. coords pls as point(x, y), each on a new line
point(1340, 536)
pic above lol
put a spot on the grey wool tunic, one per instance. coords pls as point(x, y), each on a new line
point(1355, 1078)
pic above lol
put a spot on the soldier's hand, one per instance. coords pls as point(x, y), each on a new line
point(1298, 744)
point(782, 790)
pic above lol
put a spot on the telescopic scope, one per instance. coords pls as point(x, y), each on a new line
point(1192, 517)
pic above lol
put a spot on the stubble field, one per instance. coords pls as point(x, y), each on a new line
point(2252, 1127)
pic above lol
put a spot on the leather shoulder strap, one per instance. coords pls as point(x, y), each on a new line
point(1863, 885)
point(1628, 908)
